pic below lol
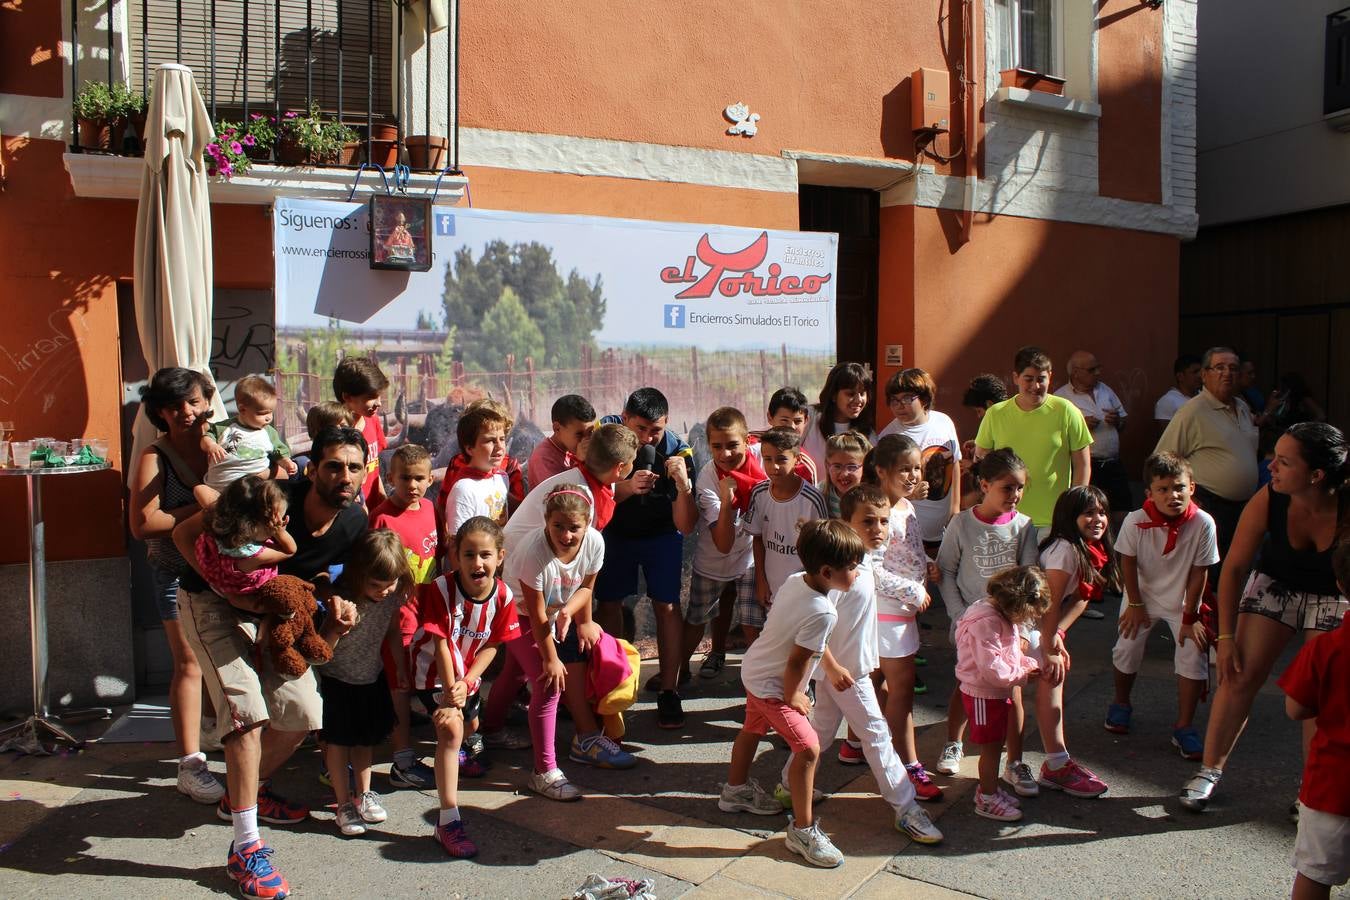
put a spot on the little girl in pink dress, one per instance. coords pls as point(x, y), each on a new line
point(245, 537)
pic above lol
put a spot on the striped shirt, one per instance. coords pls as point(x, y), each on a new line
point(468, 625)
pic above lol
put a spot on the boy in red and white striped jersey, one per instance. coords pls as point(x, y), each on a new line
point(464, 617)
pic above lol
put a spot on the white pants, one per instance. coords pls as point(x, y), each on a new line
point(859, 708)
point(1188, 661)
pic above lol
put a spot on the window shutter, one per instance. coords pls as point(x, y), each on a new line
point(156, 37)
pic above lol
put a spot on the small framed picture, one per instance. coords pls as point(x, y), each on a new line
point(399, 236)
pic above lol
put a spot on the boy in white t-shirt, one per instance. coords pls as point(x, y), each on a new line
point(477, 483)
point(1165, 551)
point(779, 507)
point(723, 559)
point(846, 692)
point(776, 671)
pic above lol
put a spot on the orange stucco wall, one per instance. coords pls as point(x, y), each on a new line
point(29, 32)
point(1129, 87)
point(823, 77)
point(60, 352)
point(1028, 281)
point(506, 189)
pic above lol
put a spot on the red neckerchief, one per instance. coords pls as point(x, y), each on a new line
point(1090, 588)
point(749, 474)
point(604, 498)
point(1157, 520)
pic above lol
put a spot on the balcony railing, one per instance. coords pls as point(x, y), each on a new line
point(372, 64)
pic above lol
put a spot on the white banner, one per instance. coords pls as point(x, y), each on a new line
point(714, 287)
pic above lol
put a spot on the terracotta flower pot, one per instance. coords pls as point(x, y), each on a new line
point(383, 131)
point(351, 153)
point(290, 153)
point(1032, 81)
point(137, 123)
point(95, 134)
point(427, 152)
point(384, 153)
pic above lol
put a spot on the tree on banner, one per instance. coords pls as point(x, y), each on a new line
point(564, 313)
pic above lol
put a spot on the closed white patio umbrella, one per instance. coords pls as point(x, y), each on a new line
point(173, 271)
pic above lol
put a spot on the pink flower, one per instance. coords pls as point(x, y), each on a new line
point(249, 141)
point(256, 116)
point(227, 170)
point(291, 115)
point(235, 148)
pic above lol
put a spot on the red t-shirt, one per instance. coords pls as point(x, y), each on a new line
point(469, 626)
point(547, 460)
point(1319, 678)
point(416, 530)
point(373, 432)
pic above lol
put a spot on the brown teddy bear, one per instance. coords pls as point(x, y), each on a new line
point(292, 640)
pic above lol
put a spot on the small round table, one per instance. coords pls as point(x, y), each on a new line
point(26, 735)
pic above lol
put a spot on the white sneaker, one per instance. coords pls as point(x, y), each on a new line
point(554, 785)
point(369, 808)
point(197, 782)
point(349, 821)
point(749, 797)
point(949, 763)
point(1019, 775)
point(997, 806)
point(915, 823)
point(813, 845)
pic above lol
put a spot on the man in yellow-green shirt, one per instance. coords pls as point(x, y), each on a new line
point(1048, 432)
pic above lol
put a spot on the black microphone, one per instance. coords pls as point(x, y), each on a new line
point(645, 462)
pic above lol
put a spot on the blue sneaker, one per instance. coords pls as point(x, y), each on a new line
point(601, 752)
point(1189, 742)
point(1118, 718)
point(249, 867)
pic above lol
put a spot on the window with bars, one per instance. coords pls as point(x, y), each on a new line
point(262, 55)
point(1027, 35)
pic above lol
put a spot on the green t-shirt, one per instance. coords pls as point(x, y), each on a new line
point(1044, 438)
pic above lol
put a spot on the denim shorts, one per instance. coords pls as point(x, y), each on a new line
point(165, 586)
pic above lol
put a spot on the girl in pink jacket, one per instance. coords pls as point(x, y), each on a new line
point(990, 662)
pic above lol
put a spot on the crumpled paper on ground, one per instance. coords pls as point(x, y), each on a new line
point(598, 888)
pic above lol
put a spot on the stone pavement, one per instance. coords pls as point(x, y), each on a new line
point(108, 820)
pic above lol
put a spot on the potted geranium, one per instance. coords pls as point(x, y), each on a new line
point(93, 107)
point(310, 139)
point(226, 156)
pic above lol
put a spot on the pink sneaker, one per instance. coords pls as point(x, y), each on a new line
point(1073, 779)
point(1008, 798)
point(455, 840)
point(996, 806)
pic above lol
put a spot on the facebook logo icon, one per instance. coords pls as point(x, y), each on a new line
point(445, 223)
point(674, 315)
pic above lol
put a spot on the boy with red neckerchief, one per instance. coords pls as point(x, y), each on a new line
point(476, 482)
point(609, 459)
point(723, 555)
point(1165, 551)
point(409, 515)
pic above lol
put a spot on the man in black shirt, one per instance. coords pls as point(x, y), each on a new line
point(324, 519)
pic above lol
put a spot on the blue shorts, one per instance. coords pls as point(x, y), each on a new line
point(660, 558)
point(165, 586)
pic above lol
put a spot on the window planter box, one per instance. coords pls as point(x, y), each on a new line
point(1028, 80)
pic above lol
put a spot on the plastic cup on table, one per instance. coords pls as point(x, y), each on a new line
point(60, 449)
point(4, 454)
point(23, 451)
point(77, 444)
point(100, 448)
